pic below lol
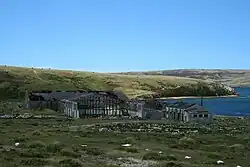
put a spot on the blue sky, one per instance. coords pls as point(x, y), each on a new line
point(125, 35)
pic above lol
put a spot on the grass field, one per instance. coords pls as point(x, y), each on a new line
point(97, 143)
point(14, 81)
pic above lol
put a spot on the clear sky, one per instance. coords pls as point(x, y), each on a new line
point(125, 35)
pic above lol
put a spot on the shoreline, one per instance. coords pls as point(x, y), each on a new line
point(198, 97)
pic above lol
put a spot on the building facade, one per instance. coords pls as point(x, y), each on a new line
point(101, 104)
point(146, 109)
point(69, 108)
point(186, 112)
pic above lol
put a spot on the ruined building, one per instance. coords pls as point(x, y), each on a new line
point(80, 103)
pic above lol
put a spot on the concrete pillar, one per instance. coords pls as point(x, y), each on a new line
point(77, 114)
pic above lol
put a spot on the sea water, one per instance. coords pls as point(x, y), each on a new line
point(231, 106)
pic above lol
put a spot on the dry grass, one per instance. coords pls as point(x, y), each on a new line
point(228, 76)
point(20, 78)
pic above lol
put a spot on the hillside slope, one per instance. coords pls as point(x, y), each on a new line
point(229, 77)
point(15, 80)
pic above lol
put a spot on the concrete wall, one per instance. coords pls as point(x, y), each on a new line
point(187, 116)
point(42, 104)
point(175, 114)
point(69, 108)
point(199, 117)
point(153, 115)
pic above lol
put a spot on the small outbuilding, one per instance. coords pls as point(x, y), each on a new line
point(187, 112)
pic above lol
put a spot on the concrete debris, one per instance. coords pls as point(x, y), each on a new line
point(103, 129)
point(142, 127)
point(84, 145)
point(188, 157)
point(220, 162)
point(132, 162)
point(126, 145)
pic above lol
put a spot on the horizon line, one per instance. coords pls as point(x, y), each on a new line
point(135, 71)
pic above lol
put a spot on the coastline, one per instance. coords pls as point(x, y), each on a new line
point(198, 97)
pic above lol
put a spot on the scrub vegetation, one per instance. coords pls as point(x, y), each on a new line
point(100, 143)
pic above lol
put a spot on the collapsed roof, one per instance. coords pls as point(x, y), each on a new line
point(59, 95)
point(189, 107)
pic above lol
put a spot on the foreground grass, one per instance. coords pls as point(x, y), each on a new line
point(97, 143)
point(15, 80)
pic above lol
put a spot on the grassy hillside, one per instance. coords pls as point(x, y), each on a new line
point(229, 77)
point(14, 81)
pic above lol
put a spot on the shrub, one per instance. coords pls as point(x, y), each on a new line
point(34, 162)
point(214, 155)
point(21, 139)
point(37, 133)
point(54, 147)
point(128, 140)
point(69, 153)
point(132, 150)
point(159, 157)
point(171, 158)
point(70, 163)
point(169, 164)
point(111, 165)
point(187, 142)
point(34, 152)
point(8, 158)
point(128, 149)
point(76, 148)
point(94, 151)
point(37, 144)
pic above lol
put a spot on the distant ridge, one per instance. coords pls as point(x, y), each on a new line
point(231, 77)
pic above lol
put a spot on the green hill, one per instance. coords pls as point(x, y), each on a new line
point(15, 80)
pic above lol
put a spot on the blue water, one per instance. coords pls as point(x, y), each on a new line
point(239, 106)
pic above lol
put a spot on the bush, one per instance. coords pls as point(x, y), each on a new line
point(94, 151)
point(69, 153)
point(76, 148)
point(128, 149)
point(214, 156)
point(21, 139)
point(132, 150)
point(37, 144)
point(34, 152)
point(187, 142)
point(128, 140)
point(111, 165)
point(54, 147)
point(70, 163)
point(34, 162)
point(169, 164)
point(37, 133)
point(9, 158)
point(159, 157)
